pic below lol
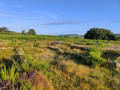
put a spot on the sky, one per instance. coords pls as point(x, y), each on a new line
point(57, 17)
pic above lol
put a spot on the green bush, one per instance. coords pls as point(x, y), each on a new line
point(22, 70)
point(93, 57)
point(28, 63)
point(77, 42)
point(36, 44)
point(31, 32)
point(4, 29)
point(14, 41)
point(96, 43)
point(99, 34)
point(100, 44)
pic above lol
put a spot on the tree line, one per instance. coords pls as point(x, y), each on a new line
point(30, 31)
point(93, 33)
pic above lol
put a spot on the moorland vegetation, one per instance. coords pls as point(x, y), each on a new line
point(43, 62)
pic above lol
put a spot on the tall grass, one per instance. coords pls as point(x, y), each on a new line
point(9, 74)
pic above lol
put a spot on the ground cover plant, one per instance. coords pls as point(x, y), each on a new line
point(55, 63)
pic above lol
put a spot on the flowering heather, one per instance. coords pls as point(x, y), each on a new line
point(18, 60)
point(37, 79)
point(27, 75)
point(7, 84)
point(3, 83)
point(31, 74)
point(40, 80)
point(23, 79)
point(54, 43)
point(22, 74)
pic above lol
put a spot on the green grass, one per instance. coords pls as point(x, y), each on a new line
point(56, 69)
point(9, 74)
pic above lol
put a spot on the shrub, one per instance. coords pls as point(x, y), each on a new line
point(100, 34)
point(96, 43)
point(117, 37)
point(27, 63)
point(93, 57)
point(77, 42)
point(39, 82)
point(100, 44)
point(31, 32)
point(23, 32)
point(14, 41)
point(36, 44)
point(3, 29)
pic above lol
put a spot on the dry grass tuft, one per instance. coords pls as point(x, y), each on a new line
point(39, 82)
point(79, 70)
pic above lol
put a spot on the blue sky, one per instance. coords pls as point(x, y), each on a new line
point(56, 17)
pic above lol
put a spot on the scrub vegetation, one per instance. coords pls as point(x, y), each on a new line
point(43, 62)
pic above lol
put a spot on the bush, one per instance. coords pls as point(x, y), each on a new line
point(31, 32)
point(117, 37)
point(27, 63)
point(99, 34)
point(14, 41)
point(93, 57)
point(23, 73)
point(36, 44)
point(23, 32)
point(3, 29)
point(96, 43)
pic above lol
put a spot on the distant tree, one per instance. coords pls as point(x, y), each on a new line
point(3, 29)
point(99, 34)
point(23, 32)
point(66, 36)
point(31, 32)
point(117, 37)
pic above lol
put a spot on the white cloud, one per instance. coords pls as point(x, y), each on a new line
point(47, 14)
point(54, 16)
point(41, 17)
point(62, 23)
point(29, 17)
point(7, 15)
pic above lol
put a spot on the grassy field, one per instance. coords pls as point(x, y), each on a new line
point(58, 63)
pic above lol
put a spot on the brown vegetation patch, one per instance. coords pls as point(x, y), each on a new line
point(39, 82)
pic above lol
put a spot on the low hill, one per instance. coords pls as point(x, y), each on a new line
point(10, 33)
point(72, 35)
point(4, 30)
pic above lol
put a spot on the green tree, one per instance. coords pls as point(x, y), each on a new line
point(117, 37)
point(31, 32)
point(99, 34)
point(23, 32)
point(3, 29)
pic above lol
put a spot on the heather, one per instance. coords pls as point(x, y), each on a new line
point(38, 62)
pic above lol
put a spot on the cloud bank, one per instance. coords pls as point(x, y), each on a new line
point(62, 23)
